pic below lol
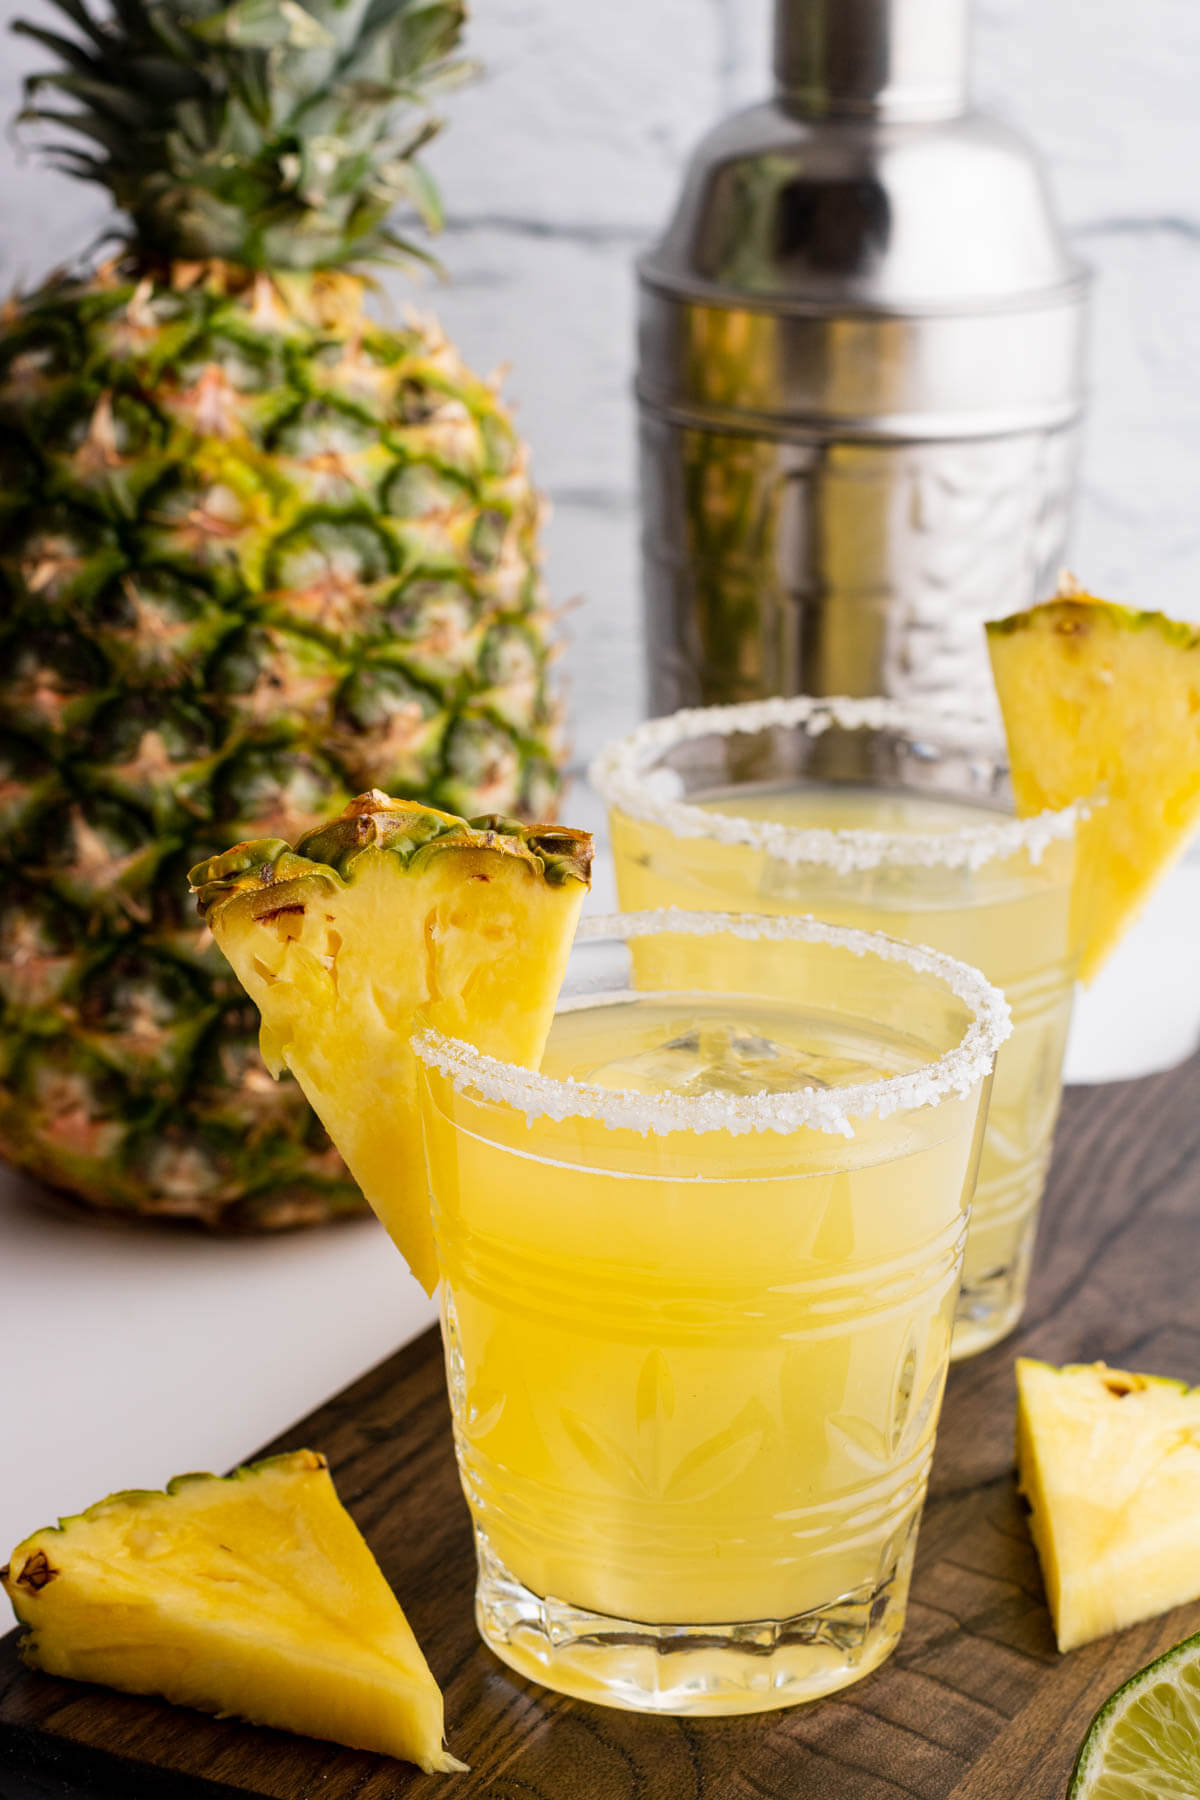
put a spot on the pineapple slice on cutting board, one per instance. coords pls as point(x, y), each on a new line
point(391, 913)
point(1103, 703)
point(1110, 1464)
point(252, 1595)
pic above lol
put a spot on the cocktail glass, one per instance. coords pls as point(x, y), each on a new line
point(698, 1283)
point(890, 816)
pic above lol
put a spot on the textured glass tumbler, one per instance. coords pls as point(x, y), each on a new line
point(894, 817)
point(697, 1334)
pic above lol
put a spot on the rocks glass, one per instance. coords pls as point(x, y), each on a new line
point(698, 1287)
point(891, 816)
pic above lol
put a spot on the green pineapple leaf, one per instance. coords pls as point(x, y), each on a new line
point(263, 25)
point(265, 133)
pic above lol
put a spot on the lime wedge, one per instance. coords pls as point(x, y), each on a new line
point(1144, 1743)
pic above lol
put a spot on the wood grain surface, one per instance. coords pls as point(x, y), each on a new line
point(975, 1704)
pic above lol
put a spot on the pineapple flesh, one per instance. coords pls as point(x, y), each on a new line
point(252, 1595)
point(1110, 1464)
point(390, 915)
point(258, 553)
point(1103, 703)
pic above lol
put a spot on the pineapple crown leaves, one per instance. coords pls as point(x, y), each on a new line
point(265, 133)
point(376, 822)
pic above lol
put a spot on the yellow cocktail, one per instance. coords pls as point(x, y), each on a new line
point(894, 818)
point(698, 1290)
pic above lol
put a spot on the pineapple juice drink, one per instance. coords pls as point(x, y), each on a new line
point(698, 1280)
point(888, 818)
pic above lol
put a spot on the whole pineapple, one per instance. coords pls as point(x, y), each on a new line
point(258, 553)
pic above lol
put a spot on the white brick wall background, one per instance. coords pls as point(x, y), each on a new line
point(564, 159)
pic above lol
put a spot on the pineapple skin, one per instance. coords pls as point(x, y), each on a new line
point(252, 1595)
point(1110, 1464)
point(257, 553)
point(391, 915)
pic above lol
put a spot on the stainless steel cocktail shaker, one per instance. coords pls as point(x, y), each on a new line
point(859, 375)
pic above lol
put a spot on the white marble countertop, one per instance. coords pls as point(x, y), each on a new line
point(131, 1354)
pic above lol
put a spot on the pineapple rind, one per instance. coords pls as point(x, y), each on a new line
point(404, 829)
point(1102, 704)
point(252, 1595)
point(1125, 618)
point(1110, 1464)
point(418, 916)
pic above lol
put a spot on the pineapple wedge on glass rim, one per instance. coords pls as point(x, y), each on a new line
point(252, 1596)
point(1109, 1462)
point(1101, 702)
point(389, 914)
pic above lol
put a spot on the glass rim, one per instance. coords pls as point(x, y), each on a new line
point(621, 775)
point(955, 1072)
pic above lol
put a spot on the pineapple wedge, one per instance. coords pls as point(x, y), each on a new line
point(1100, 701)
point(253, 1595)
point(395, 913)
point(1110, 1465)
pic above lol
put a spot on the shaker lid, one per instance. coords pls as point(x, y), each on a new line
point(785, 212)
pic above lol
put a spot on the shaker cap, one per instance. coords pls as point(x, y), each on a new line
point(849, 214)
point(864, 252)
point(895, 59)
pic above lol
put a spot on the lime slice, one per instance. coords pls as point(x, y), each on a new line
point(1144, 1743)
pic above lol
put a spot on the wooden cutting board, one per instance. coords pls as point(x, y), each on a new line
point(974, 1705)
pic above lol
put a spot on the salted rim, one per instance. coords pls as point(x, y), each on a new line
point(622, 776)
point(956, 1071)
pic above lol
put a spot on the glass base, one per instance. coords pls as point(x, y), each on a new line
point(699, 1669)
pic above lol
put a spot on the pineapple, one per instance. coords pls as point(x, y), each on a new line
point(1103, 702)
point(252, 1595)
point(1110, 1465)
point(258, 552)
point(390, 913)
